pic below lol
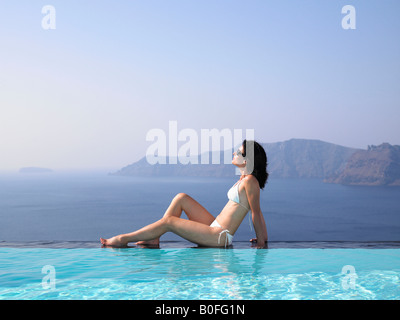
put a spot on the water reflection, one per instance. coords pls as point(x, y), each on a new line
point(206, 273)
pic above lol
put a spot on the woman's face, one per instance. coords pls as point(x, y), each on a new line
point(238, 159)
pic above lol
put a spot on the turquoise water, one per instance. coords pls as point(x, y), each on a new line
point(193, 273)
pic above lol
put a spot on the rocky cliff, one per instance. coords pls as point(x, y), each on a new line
point(296, 158)
point(301, 158)
point(376, 166)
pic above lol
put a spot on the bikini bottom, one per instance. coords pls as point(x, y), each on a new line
point(228, 236)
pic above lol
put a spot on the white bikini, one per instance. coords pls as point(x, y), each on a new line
point(233, 195)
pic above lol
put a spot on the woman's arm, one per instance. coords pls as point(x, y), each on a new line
point(253, 195)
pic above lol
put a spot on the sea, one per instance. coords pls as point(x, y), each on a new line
point(86, 206)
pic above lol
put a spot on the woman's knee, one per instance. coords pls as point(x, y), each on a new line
point(180, 197)
point(168, 221)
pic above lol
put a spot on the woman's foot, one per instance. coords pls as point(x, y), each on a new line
point(113, 242)
point(154, 242)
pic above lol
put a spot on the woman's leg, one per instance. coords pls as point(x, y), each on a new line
point(194, 210)
point(183, 203)
point(151, 233)
point(193, 231)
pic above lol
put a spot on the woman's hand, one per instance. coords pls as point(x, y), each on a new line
point(261, 245)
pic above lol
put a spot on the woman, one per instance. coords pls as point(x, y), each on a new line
point(201, 227)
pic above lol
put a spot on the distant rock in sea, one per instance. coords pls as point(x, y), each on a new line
point(34, 170)
point(376, 166)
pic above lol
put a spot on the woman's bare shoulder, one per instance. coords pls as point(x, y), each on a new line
point(251, 181)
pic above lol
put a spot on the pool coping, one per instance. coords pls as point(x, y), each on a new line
point(236, 245)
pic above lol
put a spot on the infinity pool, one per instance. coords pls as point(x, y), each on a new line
point(193, 273)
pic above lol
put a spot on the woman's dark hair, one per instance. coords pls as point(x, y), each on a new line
point(260, 162)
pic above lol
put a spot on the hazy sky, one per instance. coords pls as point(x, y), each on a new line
point(85, 94)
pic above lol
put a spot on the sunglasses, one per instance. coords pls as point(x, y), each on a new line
point(239, 153)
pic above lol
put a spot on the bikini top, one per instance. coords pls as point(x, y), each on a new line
point(233, 194)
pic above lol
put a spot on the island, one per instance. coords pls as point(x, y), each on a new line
point(298, 159)
point(295, 158)
point(376, 166)
point(34, 170)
